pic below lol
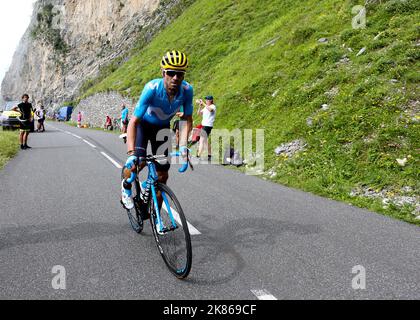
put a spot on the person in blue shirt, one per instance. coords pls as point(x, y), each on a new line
point(161, 100)
point(124, 121)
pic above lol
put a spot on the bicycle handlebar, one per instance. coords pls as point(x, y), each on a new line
point(184, 167)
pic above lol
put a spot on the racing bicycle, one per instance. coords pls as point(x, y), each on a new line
point(168, 222)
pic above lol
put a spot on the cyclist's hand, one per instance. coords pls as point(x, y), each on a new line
point(131, 162)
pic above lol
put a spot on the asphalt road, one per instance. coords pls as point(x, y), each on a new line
point(60, 206)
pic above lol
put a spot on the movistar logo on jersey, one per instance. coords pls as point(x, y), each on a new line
point(153, 86)
point(160, 114)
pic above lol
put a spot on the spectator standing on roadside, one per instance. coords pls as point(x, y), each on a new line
point(26, 109)
point(79, 119)
point(41, 118)
point(124, 120)
point(208, 111)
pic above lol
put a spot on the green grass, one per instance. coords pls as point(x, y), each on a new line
point(9, 146)
point(232, 58)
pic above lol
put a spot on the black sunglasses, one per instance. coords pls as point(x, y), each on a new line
point(172, 74)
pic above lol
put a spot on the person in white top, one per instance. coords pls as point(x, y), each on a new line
point(208, 111)
point(40, 113)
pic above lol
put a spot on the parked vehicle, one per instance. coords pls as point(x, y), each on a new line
point(64, 114)
point(8, 118)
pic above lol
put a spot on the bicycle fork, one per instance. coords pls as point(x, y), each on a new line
point(163, 228)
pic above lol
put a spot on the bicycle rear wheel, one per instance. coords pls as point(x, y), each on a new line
point(134, 216)
point(175, 243)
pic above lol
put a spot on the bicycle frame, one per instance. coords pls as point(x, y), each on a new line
point(152, 181)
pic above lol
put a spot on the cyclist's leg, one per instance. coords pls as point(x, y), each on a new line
point(177, 138)
point(161, 144)
point(126, 186)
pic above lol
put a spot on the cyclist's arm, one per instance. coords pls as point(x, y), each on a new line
point(131, 133)
point(139, 112)
point(185, 131)
point(144, 101)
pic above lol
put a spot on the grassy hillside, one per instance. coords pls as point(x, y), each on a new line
point(263, 62)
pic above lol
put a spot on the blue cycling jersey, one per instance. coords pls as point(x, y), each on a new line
point(155, 108)
point(124, 115)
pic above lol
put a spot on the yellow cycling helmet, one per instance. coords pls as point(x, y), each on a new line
point(175, 60)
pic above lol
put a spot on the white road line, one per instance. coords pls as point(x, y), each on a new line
point(76, 136)
point(193, 230)
point(115, 163)
point(68, 132)
point(87, 142)
point(263, 295)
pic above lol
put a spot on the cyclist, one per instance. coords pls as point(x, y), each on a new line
point(160, 101)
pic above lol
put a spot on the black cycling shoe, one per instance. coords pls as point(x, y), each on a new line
point(27, 147)
point(22, 147)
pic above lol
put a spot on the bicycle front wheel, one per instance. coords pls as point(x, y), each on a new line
point(172, 235)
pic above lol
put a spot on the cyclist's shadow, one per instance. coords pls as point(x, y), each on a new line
point(50, 233)
point(217, 257)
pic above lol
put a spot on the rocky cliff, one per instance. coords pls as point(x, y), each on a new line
point(69, 41)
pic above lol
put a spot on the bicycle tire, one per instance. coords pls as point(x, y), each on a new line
point(183, 269)
point(134, 216)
